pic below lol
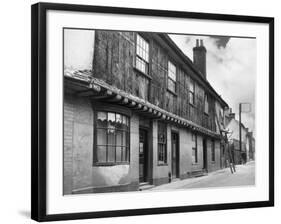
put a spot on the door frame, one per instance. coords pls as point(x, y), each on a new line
point(177, 154)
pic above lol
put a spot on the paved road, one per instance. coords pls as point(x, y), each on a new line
point(245, 175)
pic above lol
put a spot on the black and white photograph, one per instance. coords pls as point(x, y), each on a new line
point(152, 111)
point(141, 112)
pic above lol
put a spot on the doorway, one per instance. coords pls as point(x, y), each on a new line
point(205, 156)
point(175, 155)
point(143, 155)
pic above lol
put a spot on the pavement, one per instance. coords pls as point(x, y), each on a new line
point(244, 175)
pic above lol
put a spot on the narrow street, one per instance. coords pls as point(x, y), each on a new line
point(245, 175)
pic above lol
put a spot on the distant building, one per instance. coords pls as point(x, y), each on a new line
point(246, 153)
point(137, 112)
point(251, 150)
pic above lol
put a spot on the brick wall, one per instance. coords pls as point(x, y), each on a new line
point(68, 153)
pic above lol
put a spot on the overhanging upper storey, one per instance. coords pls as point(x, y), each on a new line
point(83, 84)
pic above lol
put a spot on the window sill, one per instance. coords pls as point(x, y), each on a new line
point(172, 92)
point(142, 73)
point(110, 163)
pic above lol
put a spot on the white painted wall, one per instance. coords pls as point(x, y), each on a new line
point(233, 127)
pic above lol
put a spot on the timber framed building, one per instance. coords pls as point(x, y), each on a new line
point(144, 114)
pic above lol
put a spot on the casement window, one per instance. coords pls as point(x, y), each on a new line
point(142, 56)
point(213, 152)
point(162, 143)
point(206, 104)
point(194, 149)
point(172, 77)
point(191, 91)
point(111, 138)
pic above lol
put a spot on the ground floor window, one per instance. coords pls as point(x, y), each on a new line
point(111, 138)
point(194, 149)
point(213, 152)
point(162, 143)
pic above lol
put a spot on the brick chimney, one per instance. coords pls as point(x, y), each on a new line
point(199, 57)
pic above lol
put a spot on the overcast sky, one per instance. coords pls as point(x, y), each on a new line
point(231, 69)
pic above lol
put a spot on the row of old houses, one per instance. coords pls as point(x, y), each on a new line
point(138, 113)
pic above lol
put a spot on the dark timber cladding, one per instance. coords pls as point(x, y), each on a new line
point(114, 62)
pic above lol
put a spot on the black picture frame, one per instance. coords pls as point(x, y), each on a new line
point(39, 122)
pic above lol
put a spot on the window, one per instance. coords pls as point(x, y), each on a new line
point(142, 58)
point(171, 77)
point(112, 138)
point(162, 143)
point(194, 149)
point(213, 153)
point(206, 104)
point(191, 91)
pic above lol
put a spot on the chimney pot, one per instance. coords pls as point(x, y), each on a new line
point(197, 42)
point(201, 42)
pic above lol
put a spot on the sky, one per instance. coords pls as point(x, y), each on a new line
point(231, 69)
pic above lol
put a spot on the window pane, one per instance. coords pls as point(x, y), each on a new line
point(125, 139)
point(111, 137)
point(125, 154)
point(101, 137)
point(111, 119)
point(119, 121)
point(191, 85)
point(101, 119)
point(191, 98)
point(111, 154)
point(119, 138)
point(172, 76)
point(165, 155)
point(171, 66)
point(118, 154)
point(101, 153)
point(172, 71)
point(125, 123)
point(171, 85)
point(160, 149)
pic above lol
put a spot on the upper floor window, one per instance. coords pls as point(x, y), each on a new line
point(206, 104)
point(162, 143)
point(191, 91)
point(142, 56)
point(111, 138)
point(172, 77)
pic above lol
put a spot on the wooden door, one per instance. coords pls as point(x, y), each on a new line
point(175, 155)
point(143, 155)
point(205, 156)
